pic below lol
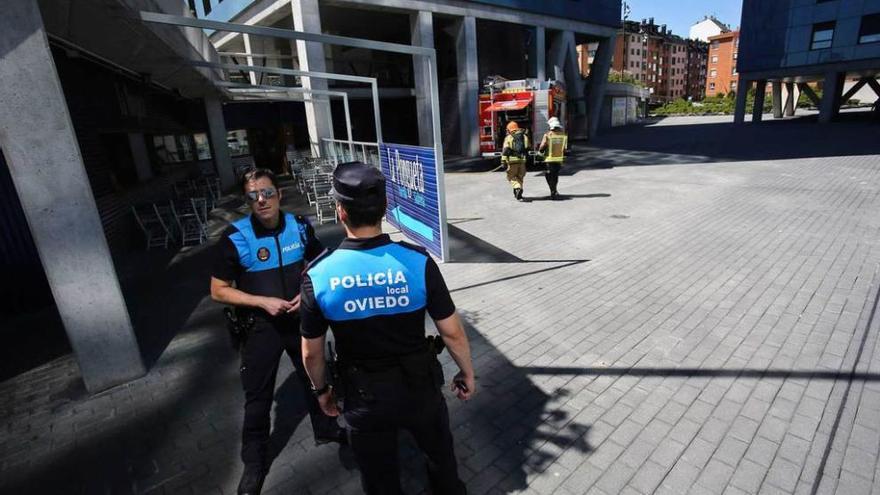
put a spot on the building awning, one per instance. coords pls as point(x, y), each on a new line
point(506, 106)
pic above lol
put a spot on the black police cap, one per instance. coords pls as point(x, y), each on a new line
point(359, 184)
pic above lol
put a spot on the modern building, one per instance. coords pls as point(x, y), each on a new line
point(722, 77)
point(790, 43)
point(653, 56)
point(706, 28)
point(102, 110)
point(515, 39)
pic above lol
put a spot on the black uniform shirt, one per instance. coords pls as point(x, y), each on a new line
point(373, 293)
point(266, 262)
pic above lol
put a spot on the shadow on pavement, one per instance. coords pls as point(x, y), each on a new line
point(662, 144)
point(567, 197)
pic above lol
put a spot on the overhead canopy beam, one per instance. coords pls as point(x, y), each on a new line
point(291, 34)
point(285, 33)
point(304, 73)
point(294, 90)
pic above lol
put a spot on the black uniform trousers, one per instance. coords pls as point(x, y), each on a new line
point(399, 398)
point(260, 356)
point(552, 175)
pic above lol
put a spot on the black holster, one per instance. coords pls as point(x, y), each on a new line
point(419, 369)
point(239, 323)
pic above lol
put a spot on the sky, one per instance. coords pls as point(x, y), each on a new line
point(678, 15)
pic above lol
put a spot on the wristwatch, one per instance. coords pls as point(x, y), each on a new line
point(317, 392)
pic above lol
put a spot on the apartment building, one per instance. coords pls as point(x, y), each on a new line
point(652, 55)
point(696, 70)
point(722, 77)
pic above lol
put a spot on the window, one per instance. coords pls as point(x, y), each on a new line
point(732, 84)
point(823, 34)
point(237, 141)
point(203, 148)
point(714, 59)
point(735, 55)
point(711, 86)
point(870, 30)
point(713, 73)
point(632, 51)
point(715, 44)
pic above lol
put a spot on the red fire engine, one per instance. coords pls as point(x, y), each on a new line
point(529, 102)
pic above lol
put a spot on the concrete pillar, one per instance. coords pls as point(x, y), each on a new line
point(217, 139)
point(563, 60)
point(742, 93)
point(307, 18)
point(45, 163)
point(777, 99)
point(540, 54)
point(141, 157)
point(760, 92)
point(790, 100)
point(597, 81)
point(468, 85)
point(422, 33)
point(829, 106)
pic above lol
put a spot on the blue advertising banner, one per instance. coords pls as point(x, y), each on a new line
point(413, 194)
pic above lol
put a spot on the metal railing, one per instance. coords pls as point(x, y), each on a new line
point(340, 150)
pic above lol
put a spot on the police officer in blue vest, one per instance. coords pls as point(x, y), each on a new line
point(373, 294)
point(258, 271)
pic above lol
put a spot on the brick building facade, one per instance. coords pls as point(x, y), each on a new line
point(723, 52)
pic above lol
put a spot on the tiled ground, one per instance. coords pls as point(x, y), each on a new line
point(692, 318)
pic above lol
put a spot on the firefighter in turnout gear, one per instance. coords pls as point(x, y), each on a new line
point(258, 270)
point(553, 147)
point(513, 154)
point(373, 294)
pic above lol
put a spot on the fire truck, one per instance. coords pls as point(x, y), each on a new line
point(528, 102)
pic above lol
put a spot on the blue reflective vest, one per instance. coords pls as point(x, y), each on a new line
point(354, 284)
point(273, 262)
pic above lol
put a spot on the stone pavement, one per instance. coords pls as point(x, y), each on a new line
point(691, 318)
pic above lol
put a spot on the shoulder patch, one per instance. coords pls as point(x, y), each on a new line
point(324, 254)
point(414, 247)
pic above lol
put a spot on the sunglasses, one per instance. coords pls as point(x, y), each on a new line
point(266, 193)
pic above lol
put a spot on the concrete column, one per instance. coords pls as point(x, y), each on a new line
point(742, 93)
point(141, 157)
point(777, 99)
point(829, 106)
point(540, 54)
point(790, 100)
point(468, 85)
point(597, 81)
point(760, 92)
point(217, 139)
point(422, 33)
point(563, 59)
point(45, 163)
point(307, 18)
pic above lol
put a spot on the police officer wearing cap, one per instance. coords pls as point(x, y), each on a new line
point(258, 271)
point(373, 294)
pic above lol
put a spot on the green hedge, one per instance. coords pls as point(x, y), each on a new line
point(711, 105)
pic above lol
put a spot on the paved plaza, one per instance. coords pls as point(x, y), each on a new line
point(697, 315)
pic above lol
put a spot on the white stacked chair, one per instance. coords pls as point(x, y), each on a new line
point(153, 226)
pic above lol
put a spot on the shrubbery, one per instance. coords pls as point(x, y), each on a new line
point(711, 105)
